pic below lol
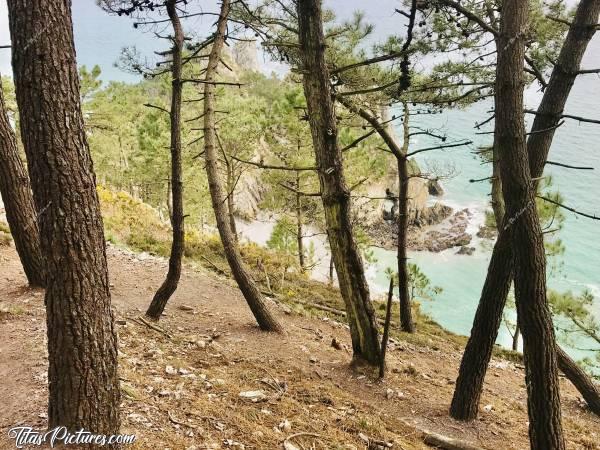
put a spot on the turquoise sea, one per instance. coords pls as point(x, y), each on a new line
point(461, 277)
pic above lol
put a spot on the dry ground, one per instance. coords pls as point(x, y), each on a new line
point(181, 388)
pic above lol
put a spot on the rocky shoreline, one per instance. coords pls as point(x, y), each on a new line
point(435, 229)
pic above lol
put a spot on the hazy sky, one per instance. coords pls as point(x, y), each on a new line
point(99, 37)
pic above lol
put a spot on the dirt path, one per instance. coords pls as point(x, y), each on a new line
point(181, 388)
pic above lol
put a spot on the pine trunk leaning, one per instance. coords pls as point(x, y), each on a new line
point(15, 189)
point(266, 320)
point(334, 192)
point(167, 289)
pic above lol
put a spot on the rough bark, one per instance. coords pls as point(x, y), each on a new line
point(488, 317)
point(406, 321)
point(527, 243)
point(584, 384)
point(18, 202)
point(334, 192)
point(82, 343)
point(497, 285)
point(168, 287)
point(247, 285)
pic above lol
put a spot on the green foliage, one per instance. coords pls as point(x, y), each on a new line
point(9, 95)
point(90, 82)
point(130, 222)
point(420, 285)
point(284, 237)
point(577, 323)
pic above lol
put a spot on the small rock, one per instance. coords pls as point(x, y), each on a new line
point(488, 408)
point(336, 344)
point(313, 359)
point(287, 445)
point(389, 394)
point(186, 308)
point(285, 426)
point(253, 396)
point(170, 370)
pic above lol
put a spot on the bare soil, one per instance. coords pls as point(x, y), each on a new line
point(182, 381)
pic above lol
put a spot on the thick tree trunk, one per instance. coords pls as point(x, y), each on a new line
point(167, 289)
point(299, 224)
point(82, 343)
point(406, 321)
point(18, 202)
point(334, 192)
point(478, 352)
point(527, 242)
point(251, 293)
point(497, 285)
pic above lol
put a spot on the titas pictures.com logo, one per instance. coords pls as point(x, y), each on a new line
point(28, 436)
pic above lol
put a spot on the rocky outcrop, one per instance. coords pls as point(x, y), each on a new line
point(464, 250)
point(245, 55)
point(435, 188)
point(486, 232)
point(444, 229)
point(432, 215)
point(249, 193)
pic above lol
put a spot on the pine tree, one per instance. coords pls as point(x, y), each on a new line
point(83, 383)
point(18, 202)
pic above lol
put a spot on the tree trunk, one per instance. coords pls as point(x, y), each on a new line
point(515, 340)
point(406, 321)
point(82, 343)
point(299, 224)
point(167, 289)
point(251, 293)
point(334, 192)
point(231, 200)
point(527, 242)
point(331, 271)
point(478, 352)
point(497, 284)
point(589, 391)
point(18, 202)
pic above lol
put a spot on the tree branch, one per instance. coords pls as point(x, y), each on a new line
point(160, 108)
point(274, 167)
point(552, 163)
point(568, 208)
point(439, 147)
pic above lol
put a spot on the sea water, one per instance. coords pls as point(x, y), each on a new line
point(461, 277)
